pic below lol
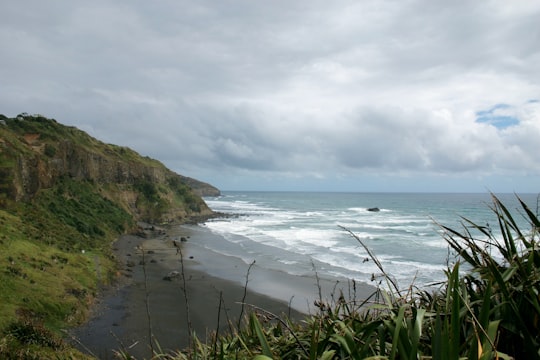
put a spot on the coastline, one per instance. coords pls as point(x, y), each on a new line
point(300, 292)
point(143, 306)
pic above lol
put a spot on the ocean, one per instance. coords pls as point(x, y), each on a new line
point(301, 233)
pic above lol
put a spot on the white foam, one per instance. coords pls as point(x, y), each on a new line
point(437, 243)
point(314, 233)
point(288, 262)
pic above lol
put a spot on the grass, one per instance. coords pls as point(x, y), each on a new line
point(488, 311)
point(42, 290)
point(51, 133)
point(508, 269)
point(54, 258)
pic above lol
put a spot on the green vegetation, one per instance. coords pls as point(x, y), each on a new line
point(64, 198)
point(55, 257)
point(183, 194)
point(51, 133)
point(155, 199)
point(150, 200)
point(491, 311)
point(49, 130)
point(74, 207)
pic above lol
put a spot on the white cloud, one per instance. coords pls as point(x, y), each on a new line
point(281, 90)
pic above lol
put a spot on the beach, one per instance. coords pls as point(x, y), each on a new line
point(147, 309)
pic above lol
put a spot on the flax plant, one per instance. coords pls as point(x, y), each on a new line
point(507, 268)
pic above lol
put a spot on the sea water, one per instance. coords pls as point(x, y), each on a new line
point(302, 233)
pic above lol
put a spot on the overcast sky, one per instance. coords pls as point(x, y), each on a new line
point(291, 95)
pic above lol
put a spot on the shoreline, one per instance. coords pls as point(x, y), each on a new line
point(279, 285)
point(143, 308)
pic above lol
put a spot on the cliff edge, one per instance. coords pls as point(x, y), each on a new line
point(37, 153)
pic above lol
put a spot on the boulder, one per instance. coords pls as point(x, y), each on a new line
point(170, 276)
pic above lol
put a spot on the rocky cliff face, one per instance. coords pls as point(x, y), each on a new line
point(35, 153)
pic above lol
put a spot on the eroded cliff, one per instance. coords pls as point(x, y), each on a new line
point(36, 153)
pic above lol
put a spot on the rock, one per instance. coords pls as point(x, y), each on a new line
point(374, 209)
point(143, 234)
point(170, 276)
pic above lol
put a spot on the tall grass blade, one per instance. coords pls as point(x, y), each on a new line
point(328, 355)
point(381, 332)
point(532, 217)
point(489, 342)
point(396, 330)
point(455, 323)
point(374, 258)
point(257, 329)
point(440, 341)
point(313, 349)
point(416, 332)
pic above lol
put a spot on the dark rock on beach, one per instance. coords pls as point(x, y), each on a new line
point(171, 275)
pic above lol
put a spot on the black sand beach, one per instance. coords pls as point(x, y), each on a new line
point(144, 309)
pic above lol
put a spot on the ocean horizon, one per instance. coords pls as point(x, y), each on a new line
point(301, 233)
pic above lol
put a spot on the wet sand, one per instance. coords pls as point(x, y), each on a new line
point(144, 310)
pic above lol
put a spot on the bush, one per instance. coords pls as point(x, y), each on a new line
point(31, 332)
point(506, 276)
point(50, 150)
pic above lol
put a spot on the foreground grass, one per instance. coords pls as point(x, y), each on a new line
point(42, 291)
point(54, 258)
point(490, 311)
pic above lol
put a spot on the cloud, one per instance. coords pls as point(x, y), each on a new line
point(288, 91)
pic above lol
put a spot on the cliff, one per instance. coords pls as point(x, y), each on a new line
point(37, 153)
point(64, 198)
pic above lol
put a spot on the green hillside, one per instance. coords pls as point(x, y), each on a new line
point(64, 198)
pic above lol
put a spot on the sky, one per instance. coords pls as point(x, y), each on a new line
point(301, 95)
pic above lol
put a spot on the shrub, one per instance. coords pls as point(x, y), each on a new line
point(50, 150)
point(27, 331)
point(508, 270)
